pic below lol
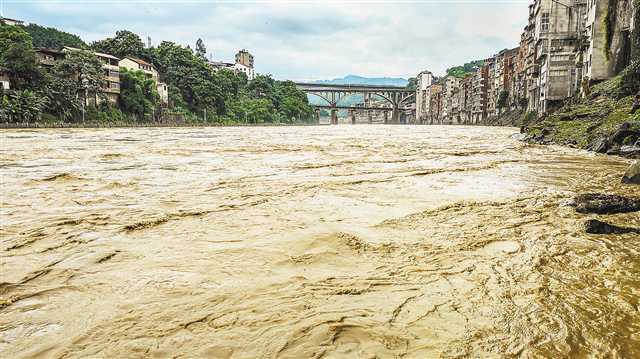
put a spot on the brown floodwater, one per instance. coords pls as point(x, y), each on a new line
point(307, 242)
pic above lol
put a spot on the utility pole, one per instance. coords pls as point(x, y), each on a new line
point(205, 115)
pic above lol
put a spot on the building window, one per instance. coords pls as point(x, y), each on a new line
point(544, 22)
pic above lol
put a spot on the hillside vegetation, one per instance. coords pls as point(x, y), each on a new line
point(463, 70)
point(50, 38)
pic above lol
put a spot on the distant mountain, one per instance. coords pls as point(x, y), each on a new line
point(359, 80)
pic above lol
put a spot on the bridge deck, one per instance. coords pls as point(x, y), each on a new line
point(333, 87)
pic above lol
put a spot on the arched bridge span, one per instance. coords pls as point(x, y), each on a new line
point(397, 98)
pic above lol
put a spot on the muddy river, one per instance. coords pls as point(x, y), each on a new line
point(307, 242)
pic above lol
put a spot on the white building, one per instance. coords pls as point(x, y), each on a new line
point(4, 79)
point(11, 22)
point(243, 64)
point(249, 71)
point(424, 80)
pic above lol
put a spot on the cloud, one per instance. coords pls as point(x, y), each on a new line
point(303, 40)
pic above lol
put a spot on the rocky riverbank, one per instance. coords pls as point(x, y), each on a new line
point(607, 120)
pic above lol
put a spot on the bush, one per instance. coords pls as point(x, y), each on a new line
point(22, 106)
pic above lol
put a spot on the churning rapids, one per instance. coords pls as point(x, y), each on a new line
point(308, 242)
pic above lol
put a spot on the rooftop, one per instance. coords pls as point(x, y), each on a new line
point(13, 20)
point(99, 54)
point(48, 51)
point(220, 63)
point(140, 62)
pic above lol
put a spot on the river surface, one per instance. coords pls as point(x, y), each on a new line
point(358, 241)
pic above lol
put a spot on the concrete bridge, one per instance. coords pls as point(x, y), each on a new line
point(397, 98)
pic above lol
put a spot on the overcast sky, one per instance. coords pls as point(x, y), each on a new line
point(303, 40)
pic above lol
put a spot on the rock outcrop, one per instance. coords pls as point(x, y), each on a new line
point(605, 203)
point(632, 176)
point(595, 226)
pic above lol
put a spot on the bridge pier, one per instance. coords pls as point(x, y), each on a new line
point(334, 116)
point(395, 115)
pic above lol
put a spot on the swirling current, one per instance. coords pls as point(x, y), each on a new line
point(363, 241)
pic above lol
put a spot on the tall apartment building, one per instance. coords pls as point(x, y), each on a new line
point(491, 96)
point(558, 27)
point(245, 58)
point(479, 95)
point(505, 62)
point(424, 80)
point(435, 104)
point(449, 102)
point(455, 106)
point(520, 91)
point(244, 64)
point(598, 61)
point(466, 99)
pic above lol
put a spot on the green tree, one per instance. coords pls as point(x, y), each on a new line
point(259, 110)
point(17, 56)
point(62, 98)
point(83, 69)
point(125, 43)
point(291, 103)
point(192, 77)
point(201, 50)
point(138, 94)
point(262, 87)
point(51, 38)
point(22, 106)
point(294, 109)
point(230, 83)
